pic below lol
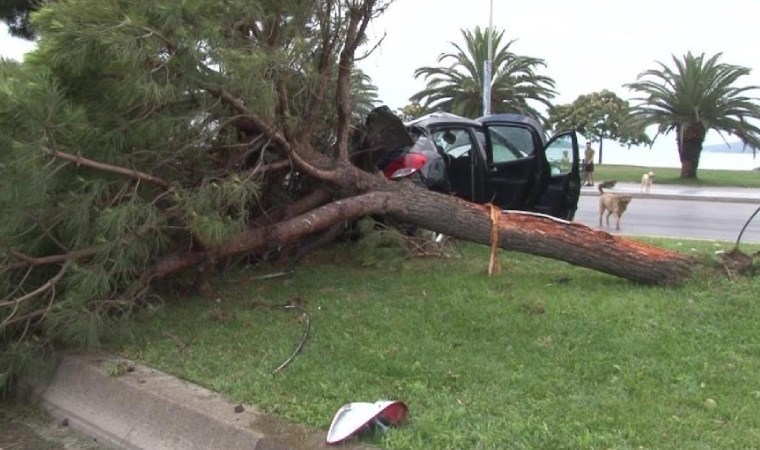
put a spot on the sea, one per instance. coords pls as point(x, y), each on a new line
point(712, 157)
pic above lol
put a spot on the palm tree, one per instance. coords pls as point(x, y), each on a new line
point(698, 95)
point(364, 94)
point(458, 88)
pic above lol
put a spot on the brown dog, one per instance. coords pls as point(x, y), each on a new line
point(613, 204)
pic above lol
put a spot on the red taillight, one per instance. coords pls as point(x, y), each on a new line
point(411, 161)
point(414, 161)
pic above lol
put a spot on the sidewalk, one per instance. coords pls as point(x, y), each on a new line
point(142, 408)
point(678, 192)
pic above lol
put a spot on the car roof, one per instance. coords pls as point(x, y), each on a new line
point(516, 118)
point(441, 117)
point(511, 117)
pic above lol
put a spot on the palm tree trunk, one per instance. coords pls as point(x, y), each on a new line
point(690, 148)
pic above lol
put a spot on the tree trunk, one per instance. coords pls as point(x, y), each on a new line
point(549, 237)
point(535, 234)
point(690, 149)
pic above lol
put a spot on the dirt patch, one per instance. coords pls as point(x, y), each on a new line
point(23, 427)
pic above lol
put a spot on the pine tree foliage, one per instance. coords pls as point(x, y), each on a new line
point(122, 143)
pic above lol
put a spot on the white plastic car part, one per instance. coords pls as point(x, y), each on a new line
point(359, 416)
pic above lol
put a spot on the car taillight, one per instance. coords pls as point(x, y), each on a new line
point(405, 166)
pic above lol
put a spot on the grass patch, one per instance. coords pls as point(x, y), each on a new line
point(667, 175)
point(544, 355)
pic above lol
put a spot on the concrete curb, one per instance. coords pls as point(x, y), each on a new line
point(143, 408)
point(722, 198)
point(678, 197)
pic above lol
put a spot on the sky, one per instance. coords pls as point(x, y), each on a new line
point(12, 48)
point(588, 45)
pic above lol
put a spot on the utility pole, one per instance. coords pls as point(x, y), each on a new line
point(487, 65)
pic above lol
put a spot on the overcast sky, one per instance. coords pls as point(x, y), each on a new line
point(11, 47)
point(588, 45)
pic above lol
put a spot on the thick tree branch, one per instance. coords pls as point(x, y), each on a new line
point(294, 151)
point(249, 121)
point(324, 68)
point(343, 92)
point(264, 168)
point(303, 225)
point(315, 198)
point(260, 238)
point(305, 159)
point(283, 104)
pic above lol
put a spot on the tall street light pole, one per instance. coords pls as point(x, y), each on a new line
point(487, 65)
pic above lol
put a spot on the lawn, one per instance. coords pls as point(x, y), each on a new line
point(667, 175)
point(544, 355)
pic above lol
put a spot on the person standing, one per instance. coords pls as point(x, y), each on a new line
point(588, 165)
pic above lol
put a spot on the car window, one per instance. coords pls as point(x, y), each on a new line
point(560, 155)
point(422, 142)
point(455, 142)
point(510, 143)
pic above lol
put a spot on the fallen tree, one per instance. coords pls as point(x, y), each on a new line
point(518, 231)
point(142, 142)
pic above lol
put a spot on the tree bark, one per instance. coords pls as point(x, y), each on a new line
point(546, 236)
point(690, 149)
point(601, 144)
point(530, 233)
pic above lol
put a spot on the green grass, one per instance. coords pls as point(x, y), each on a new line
point(544, 355)
point(664, 175)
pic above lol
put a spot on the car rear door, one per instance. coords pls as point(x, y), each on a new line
point(560, 196)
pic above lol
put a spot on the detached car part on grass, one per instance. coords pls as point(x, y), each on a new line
point(359, 417)
point(502, 159)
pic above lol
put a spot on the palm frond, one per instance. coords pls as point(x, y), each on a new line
point(457, 85)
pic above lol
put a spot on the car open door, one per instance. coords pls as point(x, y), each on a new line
point(560, 197)
point(516, 167)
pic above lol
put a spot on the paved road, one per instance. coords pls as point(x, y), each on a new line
point(685, 212)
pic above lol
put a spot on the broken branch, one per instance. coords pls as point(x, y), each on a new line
point(82, 161)
point(48, 284)
point(27, 261)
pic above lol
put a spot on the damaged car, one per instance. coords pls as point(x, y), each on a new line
point(503, 159)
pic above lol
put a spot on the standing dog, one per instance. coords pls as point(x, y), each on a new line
point(646, 181)
point(613, 204)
